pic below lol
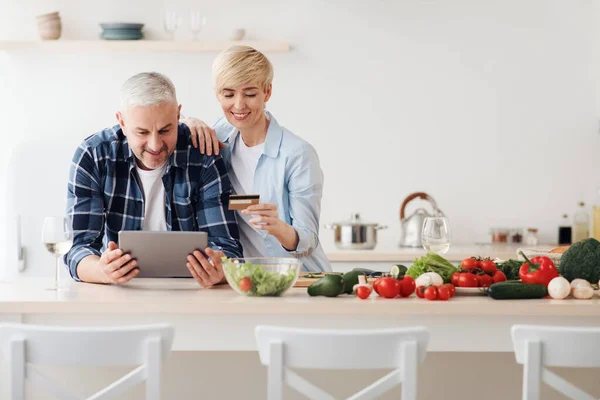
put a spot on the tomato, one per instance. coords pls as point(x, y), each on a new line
point(454, 278)
point(420, 292)
point(451, 288)
point(499, 276)
point(467, 279)
point(407, 286)
point(363, 292)
point(488, 266)
point(388, 288)
point(431, 293)
point(485, 280)
point(470, 263)
point(399, 286)
point(245, 284)
point(376, 285)
point(444, 293)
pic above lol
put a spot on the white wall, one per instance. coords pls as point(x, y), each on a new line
point(489, 106)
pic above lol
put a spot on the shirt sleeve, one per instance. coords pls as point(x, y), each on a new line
point(305, 186)
point(212, 214)
point(85, 208)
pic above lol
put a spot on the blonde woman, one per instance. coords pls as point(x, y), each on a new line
point(262, 157)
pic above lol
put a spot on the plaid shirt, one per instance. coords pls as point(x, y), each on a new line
point(104, 195)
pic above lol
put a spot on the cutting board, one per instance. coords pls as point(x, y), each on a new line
point(304, 280)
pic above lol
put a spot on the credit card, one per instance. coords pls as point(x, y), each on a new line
point(242, 201)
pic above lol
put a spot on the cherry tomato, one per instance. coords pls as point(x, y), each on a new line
point(488, 266)
point(431, 293)
point(499, 276)
point(407, 286)
point(454, 278)
point(363, 292)
point(485, 280)
point(376, 285)
point(451, 288)
point(467, 279)
point(420, 292)
point(245, 284)
point(444, 293)
point(388, 288)
point(470, 263)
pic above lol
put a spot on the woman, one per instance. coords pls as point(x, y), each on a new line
point(264, 158)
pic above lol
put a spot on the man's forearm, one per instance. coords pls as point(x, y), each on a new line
point(88, 270)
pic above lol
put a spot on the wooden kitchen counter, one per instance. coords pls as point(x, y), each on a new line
point(220, 319)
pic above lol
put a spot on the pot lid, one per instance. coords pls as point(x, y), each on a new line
point(355, 220)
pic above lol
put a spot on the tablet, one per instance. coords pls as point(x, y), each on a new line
point(162, 254)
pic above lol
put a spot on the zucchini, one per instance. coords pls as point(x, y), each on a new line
point(515, 290)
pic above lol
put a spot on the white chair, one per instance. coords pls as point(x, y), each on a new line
point(400, 348)
point(539, 346)
point(24, 345)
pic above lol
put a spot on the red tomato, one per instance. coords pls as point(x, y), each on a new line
point(420, 292)
point(388, 288)
point(499, 276)
point(451, 288)
point(363, 292)
point(467, 279)
point(454, 278)
point(485, 280)
point(431, 293)
point(376, 285)
point(470, 263)
point(245, 284)
point(444, 293)
point(407, 286)
point(488, 266)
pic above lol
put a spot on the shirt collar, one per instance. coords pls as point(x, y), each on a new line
point(272, 141)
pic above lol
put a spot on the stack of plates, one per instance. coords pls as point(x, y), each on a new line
point(121, 31)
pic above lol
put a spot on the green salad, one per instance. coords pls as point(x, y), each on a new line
point(255, 280)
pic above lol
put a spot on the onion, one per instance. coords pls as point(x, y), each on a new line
point(559, 288)
point(429, 278)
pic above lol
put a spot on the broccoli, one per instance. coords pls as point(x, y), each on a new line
point(581, 260)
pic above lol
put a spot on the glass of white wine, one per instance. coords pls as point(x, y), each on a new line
point(57, 237)
point(436, 235)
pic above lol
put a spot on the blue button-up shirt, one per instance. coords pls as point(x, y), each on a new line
point(288, 174)
point(105, 197)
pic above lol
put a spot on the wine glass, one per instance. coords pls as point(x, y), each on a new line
point(172, 21)
point(436, 235)
point(197, 22)
point(57, 237)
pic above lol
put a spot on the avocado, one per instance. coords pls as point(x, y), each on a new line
point(329, 286)
point(351, 279)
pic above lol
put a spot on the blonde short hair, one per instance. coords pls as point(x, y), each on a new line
point(239, 65)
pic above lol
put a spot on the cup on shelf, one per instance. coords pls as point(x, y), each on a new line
point(49, 26)
point(238, 34)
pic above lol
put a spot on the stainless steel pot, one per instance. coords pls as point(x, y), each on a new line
point(355, 234)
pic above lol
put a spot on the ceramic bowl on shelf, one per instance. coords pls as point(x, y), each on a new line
point(121, 31)
point(49, 26)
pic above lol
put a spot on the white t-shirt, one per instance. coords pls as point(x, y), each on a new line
point(154, 198)
point(244, 160)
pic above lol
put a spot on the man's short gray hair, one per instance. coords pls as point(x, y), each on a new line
point(147, 89)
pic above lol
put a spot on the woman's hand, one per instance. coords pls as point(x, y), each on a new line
point(266, 218)
point(204, 136)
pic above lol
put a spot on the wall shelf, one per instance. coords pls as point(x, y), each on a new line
point(159, 46)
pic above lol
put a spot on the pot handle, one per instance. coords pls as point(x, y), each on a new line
point(422, 195)
point(378, 227)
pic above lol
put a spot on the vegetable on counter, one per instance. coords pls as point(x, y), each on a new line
point(581, 289)
point(328, 286)
point(510, 268)
point(581, 260)
point(559, 288)
point(432, 262)
point(429, 278)
point(517, 290)
point(540, 270)
point(362, 288)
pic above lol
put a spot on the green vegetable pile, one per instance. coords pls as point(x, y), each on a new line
point(264, 282)
point(432, 262)
point(510, 268)
point(581, 260)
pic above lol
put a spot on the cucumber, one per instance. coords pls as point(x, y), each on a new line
point(515, 290)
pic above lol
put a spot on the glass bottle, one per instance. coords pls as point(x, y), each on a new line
point(531, 238)
point(564, 231)
point(581, 224)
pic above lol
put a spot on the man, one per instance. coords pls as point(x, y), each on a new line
point(144, 174)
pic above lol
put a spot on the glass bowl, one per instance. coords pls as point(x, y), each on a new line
point(261, 276)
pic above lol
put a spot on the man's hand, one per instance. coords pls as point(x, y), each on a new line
point(204, 136)
point(206, 273)
point(117, 267)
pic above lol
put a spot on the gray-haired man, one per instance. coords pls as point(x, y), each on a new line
point(144, 174)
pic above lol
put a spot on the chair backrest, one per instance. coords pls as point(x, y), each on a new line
point(554, 346)
point(27, 345)
point(401, 349)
